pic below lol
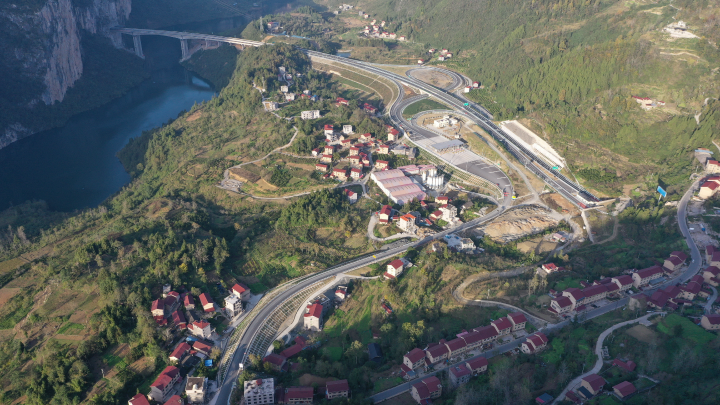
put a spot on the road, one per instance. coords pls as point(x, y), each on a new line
point(257, 322)
point(598, 352)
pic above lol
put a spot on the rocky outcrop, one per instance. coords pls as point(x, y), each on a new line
point(44, 45)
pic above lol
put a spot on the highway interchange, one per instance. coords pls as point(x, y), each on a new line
point(479, 115)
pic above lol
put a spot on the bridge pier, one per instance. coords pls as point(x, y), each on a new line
point(137, 43)
point(185, 50)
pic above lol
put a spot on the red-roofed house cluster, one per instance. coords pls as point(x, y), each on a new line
point(575, 299)
point(480, 338)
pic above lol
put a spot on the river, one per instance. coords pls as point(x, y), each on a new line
point(75, 166)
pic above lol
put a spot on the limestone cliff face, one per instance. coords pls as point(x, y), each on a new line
point(44, 45)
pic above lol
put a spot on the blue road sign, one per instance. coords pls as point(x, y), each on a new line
point(661, 191)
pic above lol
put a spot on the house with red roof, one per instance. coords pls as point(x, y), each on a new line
point(383, 149)
point(711, 275)
point(207, 302)
point(623, 282)
point(477, 365)
point(200, 329)
point(473, 340)
point(592, 384)
point(487, 333)
point(518, 320)
point(242, 291)
point(381, 164)
point(624, 390)
point(202, 348)
point(414, 359)
point(673, 263)
point(161, 388)
point(561, 305)
point(328, 130)
point(575, 294)
point(313, 317)
point(138, 399)
point(188, 301)
point(296, 395)
point(340, 174)
point(158, 307)
point(175, 400)
point(710, 322)
point(426, 390)
point(337, 389)
point(534, 343)
point(503, 326)
point(385, 214)
point(326, 158)
point(393, 134)
point(709, 187)
point(369, 108)
point(550, 268)
point(276, 361)
point(394, 269)
point(328, 149)
point(645, 276)
point(341, 101)
point(321, 167)
point(595, 293)
point(436, 353)
point(627, 366)
point(459, 375)
point(456, 347)
point(179, 319)
point(291, 351)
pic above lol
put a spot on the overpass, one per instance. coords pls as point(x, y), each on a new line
point(184, 38)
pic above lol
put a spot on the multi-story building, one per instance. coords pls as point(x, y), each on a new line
point(259, 392)
point(298, 395)
point(534, 343)
point(201, 329)
point(518, 320)
point(426, 390)
point(195, 389)
point(310, 115)
point(477, 365)
point(313, 318)
point(459, 375)
point(624, 282)
point(394, 269)
point(414, 359)
point(242, 291)
point(643, 277)
point(161, 388)
point(503, 326)
point(233, 305)
point(337, 389)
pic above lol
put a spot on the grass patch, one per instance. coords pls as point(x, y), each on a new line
point(70, 328)
point(333, 352)
point(423, 105)
point(258, 288)
point(566, 283)
point(114, 361)
point(689, 329)
point(383, 384)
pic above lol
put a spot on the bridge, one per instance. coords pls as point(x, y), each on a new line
point(206, 41)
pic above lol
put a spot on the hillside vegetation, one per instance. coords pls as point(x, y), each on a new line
point(571, 68)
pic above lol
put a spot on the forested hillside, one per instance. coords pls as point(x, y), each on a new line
point(78, 300)
point(572, 67)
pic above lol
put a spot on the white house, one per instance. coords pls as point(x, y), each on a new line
point(310, 115)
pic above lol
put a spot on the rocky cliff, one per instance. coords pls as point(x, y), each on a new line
point(40, 46)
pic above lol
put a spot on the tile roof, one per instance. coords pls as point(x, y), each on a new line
point(502, 323)
point(158, 304)
point(188, 300)
point(415, 355)
point(432, 383)
point(240, 288)
point(674, 260)
point(275, 359)
point(650, 271)
point(472, 337)
point(138, 399)
point(459, 371)
point(299, 393)
point(337, 386)
point(315, 311)
point(175, 400)
point(625, 388)
point(437, 351)
point(517, 317)
point(595, 381)
point(680, 255)
point(422, 390)
point(486, 332)
point(713, 319)
point(396, 264)
point(180, 350)
point(205, 299)
point(623, 280)
point(202, 347)
point(455, 344)
point(563, 302)
point(575, 293)
point(477, 363)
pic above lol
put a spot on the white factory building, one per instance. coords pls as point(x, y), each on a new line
point(398, 187)
point(528, 139)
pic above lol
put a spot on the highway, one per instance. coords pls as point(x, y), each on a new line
point(257, 322)
point(559, 182)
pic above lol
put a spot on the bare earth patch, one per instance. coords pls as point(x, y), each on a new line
point(194, 116)
point(265, 186)
point(309, 379)
point(7, 293)
point(641, 333)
